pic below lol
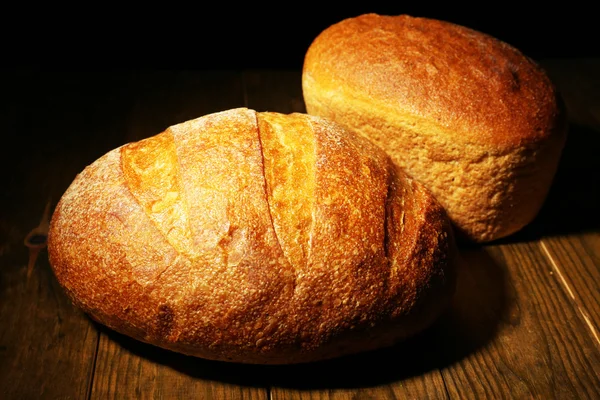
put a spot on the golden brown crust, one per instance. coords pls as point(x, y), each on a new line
point(451, 105)
point(176, 240)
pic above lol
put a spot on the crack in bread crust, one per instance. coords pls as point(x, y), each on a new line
point(240, 299)
point(288, 151)
point(151, 173)
point(266, 185)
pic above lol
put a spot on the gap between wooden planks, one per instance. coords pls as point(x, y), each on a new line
point(580, 307)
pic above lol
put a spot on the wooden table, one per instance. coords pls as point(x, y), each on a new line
point(526, 319)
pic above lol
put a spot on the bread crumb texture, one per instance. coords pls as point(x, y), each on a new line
point(254, 237)
point(472, 118)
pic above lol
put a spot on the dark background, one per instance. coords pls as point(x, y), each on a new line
point(92, 53)
point(248, 35)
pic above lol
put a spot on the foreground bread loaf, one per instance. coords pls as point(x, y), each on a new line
point(254, 237)
point(469, 116)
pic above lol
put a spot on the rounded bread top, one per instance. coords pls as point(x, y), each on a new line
point(473, 86)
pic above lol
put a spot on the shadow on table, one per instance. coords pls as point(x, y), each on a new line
point(469, 324)
point(572, 203)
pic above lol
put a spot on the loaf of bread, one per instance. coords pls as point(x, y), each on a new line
point(254, 237)
point(472, 118)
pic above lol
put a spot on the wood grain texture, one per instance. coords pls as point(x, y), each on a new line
point(523, 325)
point(426, 386)
point(127, 369)
point(575, 261)
point(572, 243)
point(541, 348)
point(47, 347)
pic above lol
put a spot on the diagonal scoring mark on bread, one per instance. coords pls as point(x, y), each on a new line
point(267, 191)
point(268, 252)
point(289, 168)
point(151, 173)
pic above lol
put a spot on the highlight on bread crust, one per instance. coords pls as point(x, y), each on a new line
point(469, 116)
point(254, 237)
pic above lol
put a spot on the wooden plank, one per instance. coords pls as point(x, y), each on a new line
point(538, 345)
point(518, 328)
point(47, 347)
point(395, 373)
point(576, 262)
point(408, 370)
point(126, 368)
point(129, 369)
point(569, 224)
point(571, 237)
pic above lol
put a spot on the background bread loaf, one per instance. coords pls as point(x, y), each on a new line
point(470, 117)
point(254, 237)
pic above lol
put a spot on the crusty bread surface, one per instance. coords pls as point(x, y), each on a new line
point(254, 237)
point(472, 118)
